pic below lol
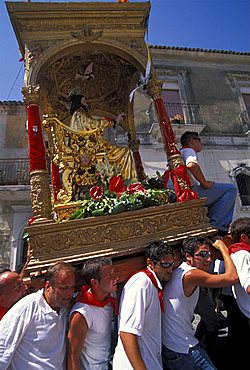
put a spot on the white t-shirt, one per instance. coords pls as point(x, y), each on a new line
point(177, 330)
point(140, 314)
point(241, 259)
point(32, 336)
point(96, 350)
point(190, 156)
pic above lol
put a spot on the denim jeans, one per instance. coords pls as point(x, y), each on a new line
point(196, 358)
point(220, 203)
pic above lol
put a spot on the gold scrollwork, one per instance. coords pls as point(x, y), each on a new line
point(40, 194)
point(175, 161)
point(31, 94)
point(155, 88)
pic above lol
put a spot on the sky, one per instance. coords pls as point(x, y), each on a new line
point(206, 24)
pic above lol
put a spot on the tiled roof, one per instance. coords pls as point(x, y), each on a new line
point(11, 102)
point(199, 49)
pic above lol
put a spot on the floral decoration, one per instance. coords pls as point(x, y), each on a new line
point(96, 192)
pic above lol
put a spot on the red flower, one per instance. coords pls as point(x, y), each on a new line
point(31, 220)
point(96, 192)
point(135, 188)
point(116, 184)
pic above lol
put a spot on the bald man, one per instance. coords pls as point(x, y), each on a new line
point(12, 289)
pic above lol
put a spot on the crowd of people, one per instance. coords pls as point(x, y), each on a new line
point(154, 314)
point(150, 326)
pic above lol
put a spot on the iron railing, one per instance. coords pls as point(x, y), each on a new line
point(245, 120)
point(14, 172)
point(184, 113)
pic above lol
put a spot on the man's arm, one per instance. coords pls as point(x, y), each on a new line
point(76, 337)
point(131, 347)
point(199, 176)
point(196, 277)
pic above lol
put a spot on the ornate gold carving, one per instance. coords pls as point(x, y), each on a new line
point(154, 88)
point(134, 43)
point(119, 234)
point(31, 94)
point(175, 161)
point(77, 153)
point(106, 88)
point(87, 34)
point(182, 183)
point(40, 194)
point(34, 51)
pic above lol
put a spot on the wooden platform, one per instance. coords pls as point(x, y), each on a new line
point(123, 237)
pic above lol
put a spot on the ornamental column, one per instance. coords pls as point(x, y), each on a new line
point(39, 180)
point(178, 171)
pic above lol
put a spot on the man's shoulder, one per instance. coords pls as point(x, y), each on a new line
point(138, 281)
point(24, 307)
point(187, 151)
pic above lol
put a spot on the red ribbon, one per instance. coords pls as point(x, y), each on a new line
point(154, 282)
point(239, 247)
point(3, 311)
point(87, 297)
point(182, 194)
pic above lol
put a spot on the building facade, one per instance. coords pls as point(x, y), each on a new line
point(205, 91)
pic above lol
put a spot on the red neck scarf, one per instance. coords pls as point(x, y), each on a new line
point(3, 311)
point(87, 297)
point(242, 246)
point(154, 282)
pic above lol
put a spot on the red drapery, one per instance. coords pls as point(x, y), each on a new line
point(36, 143)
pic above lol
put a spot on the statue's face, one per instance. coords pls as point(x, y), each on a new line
point(85, 160)
point(84, 102)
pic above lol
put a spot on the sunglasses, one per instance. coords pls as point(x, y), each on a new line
point(165, 265)
point(203, 254)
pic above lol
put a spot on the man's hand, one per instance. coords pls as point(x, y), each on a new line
point(220, 245)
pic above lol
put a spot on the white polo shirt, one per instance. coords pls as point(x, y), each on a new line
point(190, 156)
point(32, 336)
point(241, 259)
point(140, 314)
point(96, 350)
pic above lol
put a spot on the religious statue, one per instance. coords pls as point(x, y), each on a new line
point(79, 147)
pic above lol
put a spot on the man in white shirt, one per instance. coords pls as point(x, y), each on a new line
point(141, 304)
point(89, 336)
point(181, 349)
point(240, 313)
point(33, 331)
point(220, 196)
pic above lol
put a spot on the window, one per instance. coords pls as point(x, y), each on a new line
point(242, 177)
point(240, 81)
point(172, 100)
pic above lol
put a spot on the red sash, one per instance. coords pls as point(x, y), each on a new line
point(242, 246)
point(3, 311)
point(154, 282)
point(87, 297)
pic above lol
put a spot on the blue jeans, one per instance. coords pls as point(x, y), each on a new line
point(196, 358)
point(220, 203)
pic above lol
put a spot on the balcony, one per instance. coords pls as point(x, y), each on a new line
point(14, 172)
point(183, 113)
point(245, 120)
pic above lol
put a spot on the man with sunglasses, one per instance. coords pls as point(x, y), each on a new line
point(220, 196)
point(181, 350)
point(141, 305)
